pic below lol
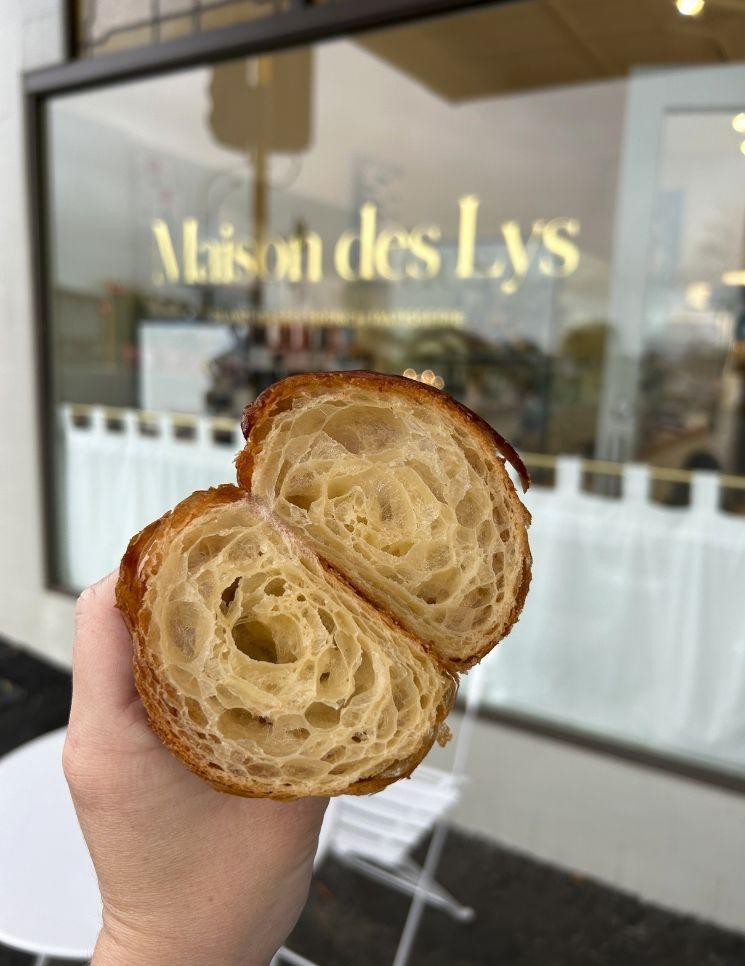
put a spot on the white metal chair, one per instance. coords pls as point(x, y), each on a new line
point(375, 834)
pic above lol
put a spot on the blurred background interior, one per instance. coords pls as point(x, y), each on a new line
point(537, 205)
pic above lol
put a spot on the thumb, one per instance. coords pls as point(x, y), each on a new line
point(103, 683)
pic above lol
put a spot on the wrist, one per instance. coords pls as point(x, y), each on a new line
point(110, 951)
point(114, 949)
point(128, 948)
point(125, 947)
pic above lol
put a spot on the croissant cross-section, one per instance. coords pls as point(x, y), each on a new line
point(300, 634)
point(405, 491)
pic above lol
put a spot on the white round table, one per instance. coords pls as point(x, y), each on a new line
point(49, 899)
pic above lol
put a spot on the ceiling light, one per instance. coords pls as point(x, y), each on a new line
point(738, 123)
point(697, 295)
point(735, 277)
point(428, 377)
point(689, 8)
point(742, 146)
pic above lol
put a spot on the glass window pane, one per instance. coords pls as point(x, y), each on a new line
point(541, 212)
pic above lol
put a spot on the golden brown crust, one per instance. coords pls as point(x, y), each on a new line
point(266, 404)
point(139, 565)
point(256, 421)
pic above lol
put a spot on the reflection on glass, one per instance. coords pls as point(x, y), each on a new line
point(557, 244)
point(691, 411)
point(304, 237)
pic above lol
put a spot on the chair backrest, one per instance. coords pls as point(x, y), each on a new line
point(386, 826)
point(389, 824)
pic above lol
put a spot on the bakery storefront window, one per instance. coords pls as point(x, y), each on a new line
point(545, 222)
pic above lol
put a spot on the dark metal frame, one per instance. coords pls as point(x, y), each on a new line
point(594, 742)
point(302, 24)
point(70, 30)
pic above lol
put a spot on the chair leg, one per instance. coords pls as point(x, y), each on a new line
point(285, 955)
point(434, 893)
point(411, 880)
point(411, 926)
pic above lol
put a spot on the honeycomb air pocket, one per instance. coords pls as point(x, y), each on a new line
point(256, 641)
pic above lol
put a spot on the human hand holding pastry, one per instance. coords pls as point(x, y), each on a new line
point(187, 875)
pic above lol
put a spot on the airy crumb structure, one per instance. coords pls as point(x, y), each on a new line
point(262, 668)
point(403, 490)
point(298, 634)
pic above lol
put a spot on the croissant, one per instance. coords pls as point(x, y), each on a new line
point(301, 633)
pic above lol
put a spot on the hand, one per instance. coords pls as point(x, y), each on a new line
point(188, 876)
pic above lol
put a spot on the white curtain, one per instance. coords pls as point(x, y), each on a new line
point(634, 625)
point(116, 482)
point(635, 621)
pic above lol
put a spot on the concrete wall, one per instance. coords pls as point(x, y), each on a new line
point(672, 841)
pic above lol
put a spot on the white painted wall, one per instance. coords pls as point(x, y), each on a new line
point(672, 841)
point(30, 36)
